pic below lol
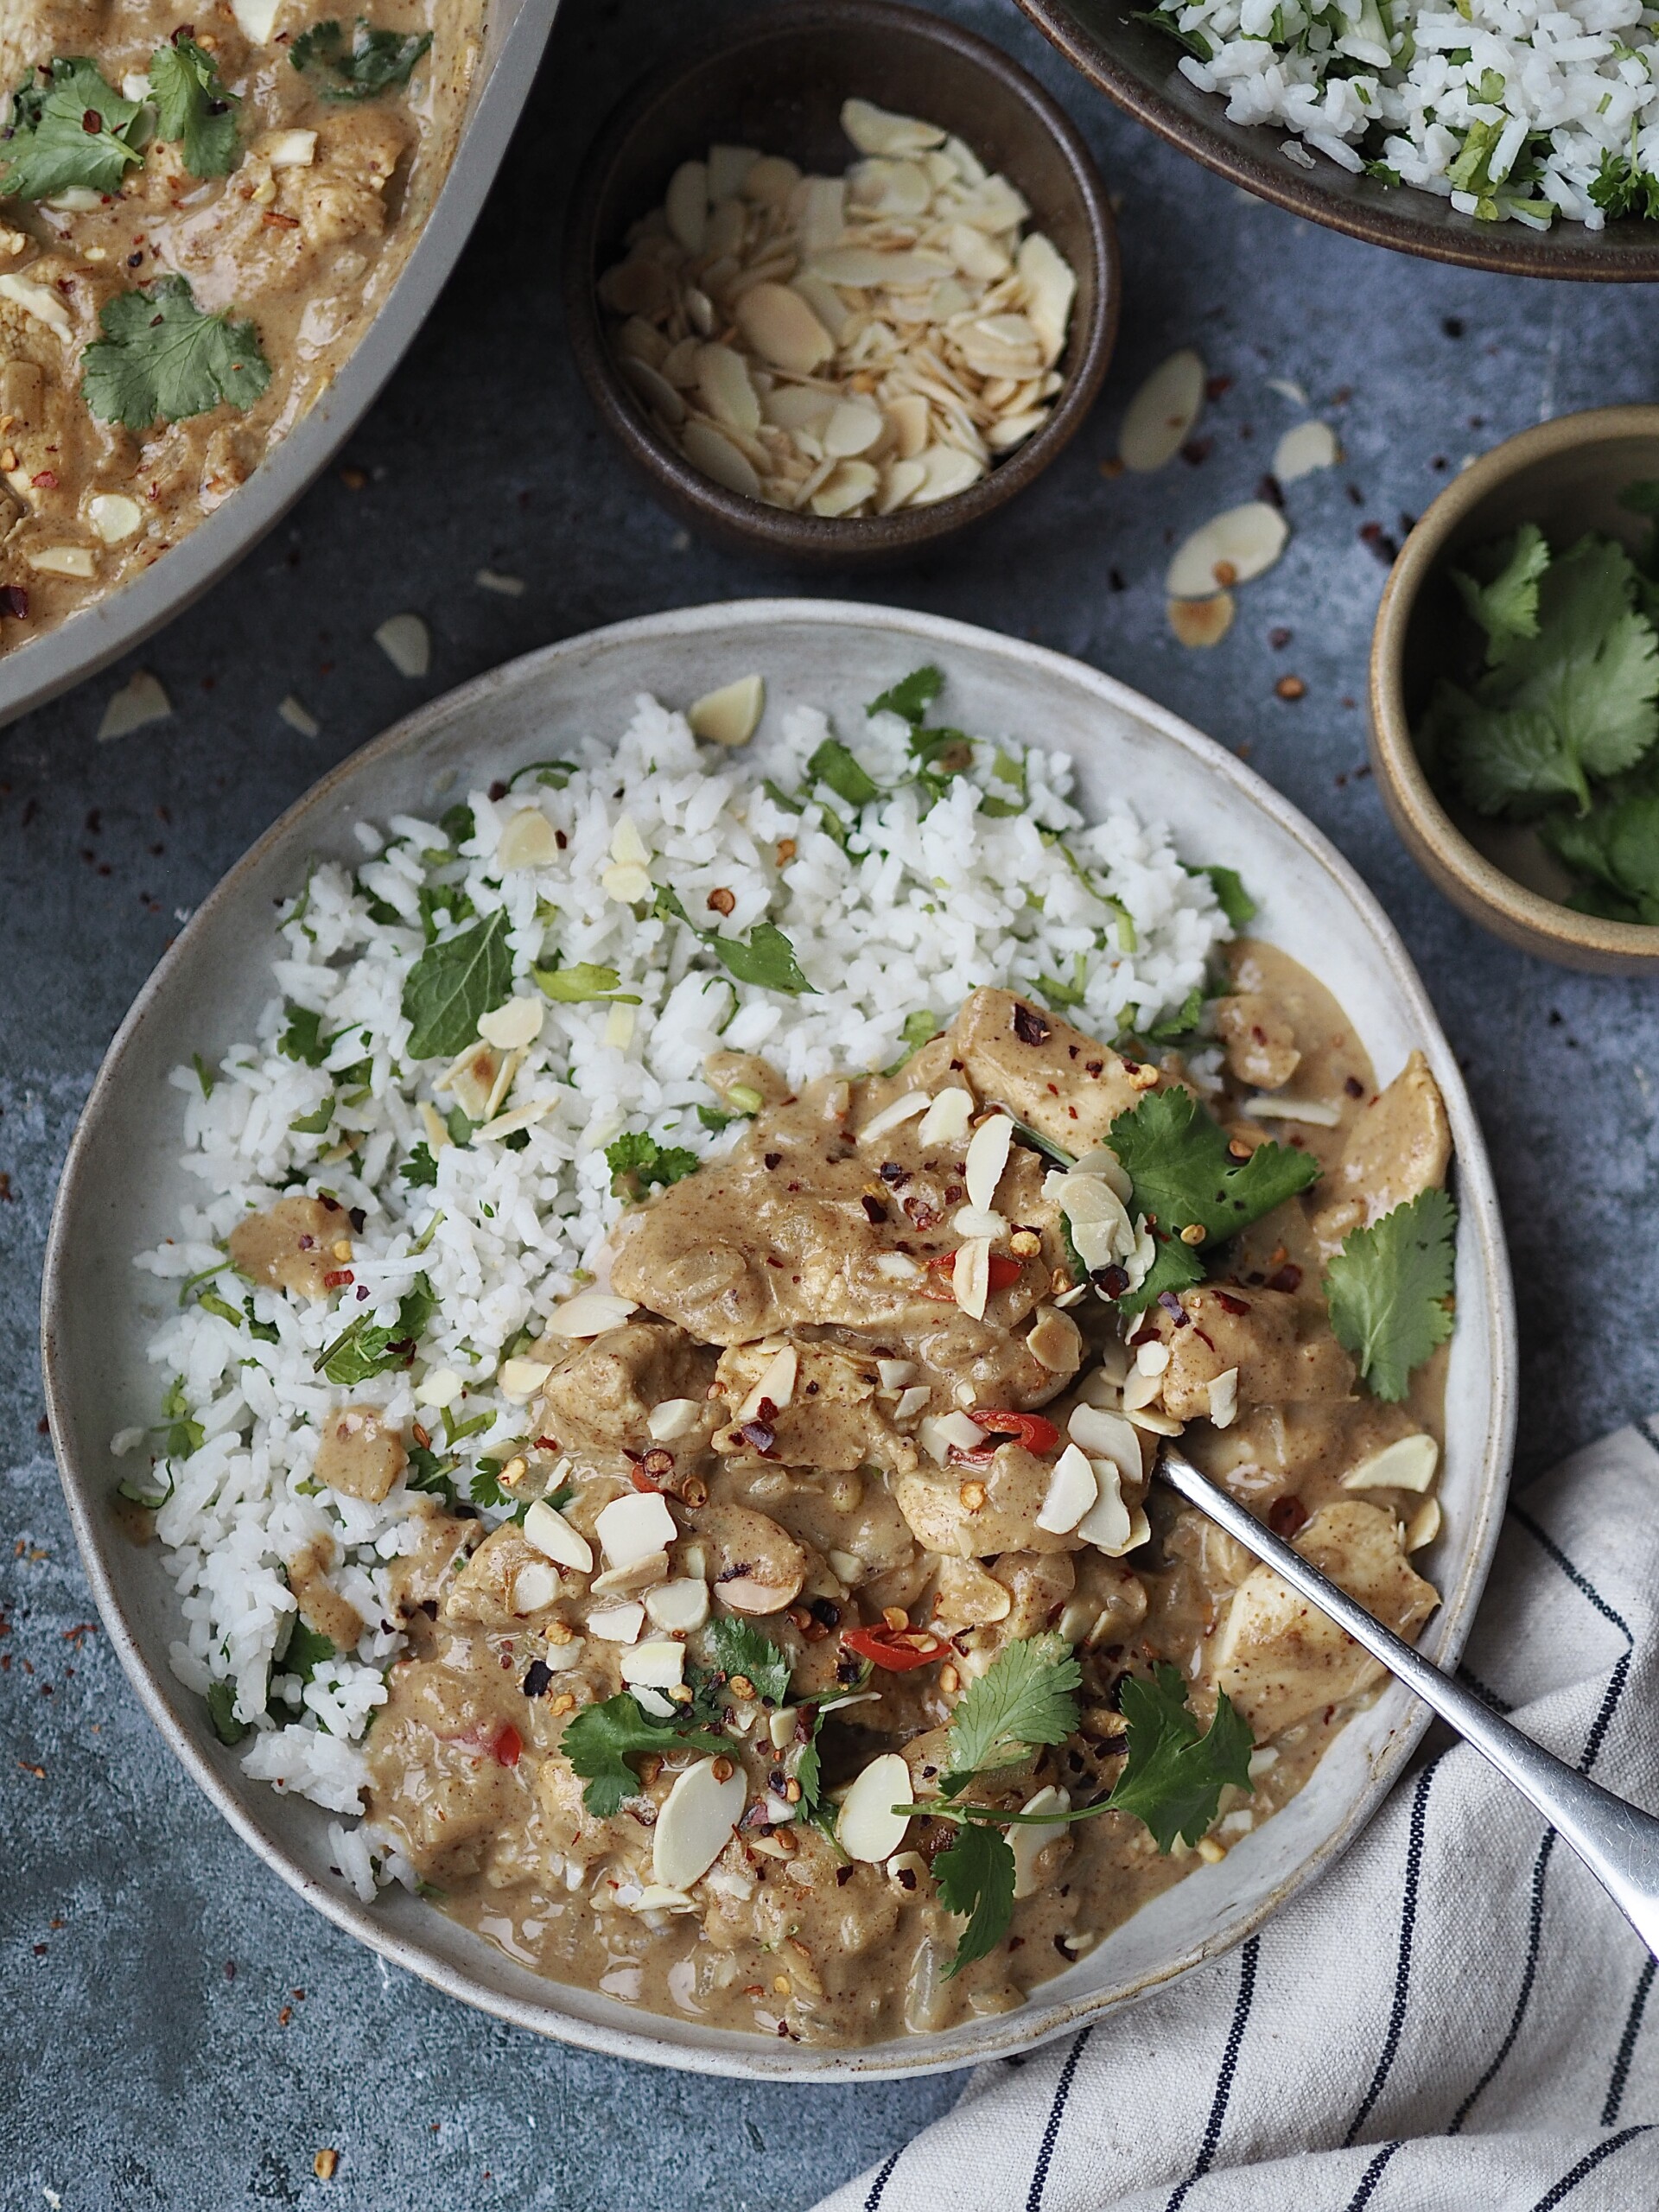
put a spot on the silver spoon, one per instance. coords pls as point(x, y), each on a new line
point(1617, 1841)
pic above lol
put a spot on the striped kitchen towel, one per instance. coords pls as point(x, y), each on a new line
point(1456, 2017)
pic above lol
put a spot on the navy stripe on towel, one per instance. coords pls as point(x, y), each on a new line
point(1402, 1964)
point(879, 2186)
point(1051, 2130)
point(1370, 2178)
point(1621, 2073)
point(1218, 2103)
point(1587, 2165)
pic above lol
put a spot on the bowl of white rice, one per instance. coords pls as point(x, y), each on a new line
point(1499, 133)
point(270, 1051)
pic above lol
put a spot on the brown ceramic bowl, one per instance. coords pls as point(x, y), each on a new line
point(1566, 476)
point(778, 84)
point(1134, 64)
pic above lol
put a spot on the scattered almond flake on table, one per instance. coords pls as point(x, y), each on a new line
point(492, 580)
point(140, 700)
point(1158, 420)
point(848, 345)
point(1304, 450)
point(407, 644)
point(1201, 622)
point(1230, 549)
point(299, 717)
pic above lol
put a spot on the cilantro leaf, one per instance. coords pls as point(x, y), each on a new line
point(912, 697)
point(650, 1165)
point(766, 959)
point(452, 984)
point(1616, 848)
point(1023, 1699)
point(739, 1648)
point(49, 148)
point(458, 823)
point(1622, 186)
point(193, 107)
point(420, 1169)
point(1185, 1175)
point(305, 1651)
point(1181, 1023)
point(1172, 1777)
point(221, 1711)
point(373, 63)
point(184, 1435)
point(916, 1030)
point(573, 986)
point(834, 765)
point(362, 1351)
point(975, 1877)
point(601, 1739)
point(429, 1473)
point(1231, 897)
point(1387, 1290)
point(161, 358)
point(1505, 603)
point(485, 1488)
point(1194, 42)
point(302, 1038)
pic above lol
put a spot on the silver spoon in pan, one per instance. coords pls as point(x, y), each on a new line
point(1617, 1841)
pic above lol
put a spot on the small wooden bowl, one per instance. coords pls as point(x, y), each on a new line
point(1566, 476)
point(778, 84)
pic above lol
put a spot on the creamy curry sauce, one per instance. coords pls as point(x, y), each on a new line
point(834, 1511)
point(303, 237)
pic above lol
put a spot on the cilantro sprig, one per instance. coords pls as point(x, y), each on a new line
point(362, 1350)
point(601, 1739)
point(75, 134)
point(766, 958)
point(1389, 1290)
point(161, 358)
point(375, 60)
point(452, 984)
point(1171, 1778)
point(193, 106)
point(1184, 1176)
point(639, 1163)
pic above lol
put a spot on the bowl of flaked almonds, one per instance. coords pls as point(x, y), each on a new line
point(842, 284)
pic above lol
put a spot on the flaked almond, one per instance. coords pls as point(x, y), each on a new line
point(634, 1527)
point(589, 1313)
point(901, 1110)
point(657, 1664)
point(1424, 1525)
point(686, 205)
point(945, 1122)
point(970, 1277)
point(514, 1025)
point(1231, 548)
point(1108, 1523)
point(528, 841)
point(141, 699)
point(1072, 1490)
point(724, 387)
point(866, 1828)
point(1028, 1843)
point(1301, 452)
point(730, 715)
point(715, 455)
point(617, 1624)
point(1158, 420)
point(695, 1823)
point(1201, 622)
point(672, 1418)
point(678, 1607)
point(1222, 1393)
point(879, 130)
point(783, 329)
point(987, 1157)
point(547, 1528)
point(1407, 1463)
point(407, 644)
point(658, 394)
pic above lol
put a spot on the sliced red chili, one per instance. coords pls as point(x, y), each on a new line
point(505, 1745)
point(1034, 1431)
point(336, 1277)
point(1003, 1272)
point(896, 1650)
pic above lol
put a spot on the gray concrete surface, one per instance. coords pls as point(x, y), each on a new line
point(181, 2031)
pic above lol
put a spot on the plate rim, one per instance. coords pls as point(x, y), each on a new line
point(1035, 2022)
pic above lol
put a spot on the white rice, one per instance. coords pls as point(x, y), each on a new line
point(924, 908)
point(1506, 107)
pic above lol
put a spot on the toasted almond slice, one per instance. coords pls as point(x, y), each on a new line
point(638, 340)
point(724, 387)
point(1028, 1842)
point(777, 1383)
point(1073, 1492)
point(898, 1111)
point(1013, 429)
point(908, 416)
point(1228, 550)
point(1108, 1524)
point(970, 1277)
point(716, 456)
point(1050, 286)
point(77, 561)
point(900, 481)
point(783, 329)
point(634, 1527)
point(1407, 1463)
point(686, 205)
point(407, 644)
point(589, 1313)
point(618, 1624)
point(114, 516)
point(879, 130)
point(949, 473)
point(657, 1664)
point(910, 1402)
point(825, 302)
point(730, 715)
point(994, 205)
point(938, 1433)
point(1201, 622)
point(38, 301)
point(1158, 420)
point(770, 180)
point(695, 1823)
point(976, 255)
point(891, 187)
point(1223, 1394)
point(655, 390)
point(1301, 452)
point(727, 166)
point(987, 1157)
point(798, 406)
point(863, 267)
point(672, 1418)
point(849, 484)
point(820, 205)
point(678, 366)
point(1105, 1434)
point(626, 1581)
point(1424, 1526)
point(516, 1024)
point(867, 1828)
point(441, 1387)
point(141, 699)
point(679, 1606)
point(534, 1588)
point(528, 841)
point(520, 1379)
point(1318, 1113)
point(547, 1529)
point(853, 427)
point(945, 1122)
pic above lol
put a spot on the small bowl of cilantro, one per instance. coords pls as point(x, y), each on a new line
point(1515, 691)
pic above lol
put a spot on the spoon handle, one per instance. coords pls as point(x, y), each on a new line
point(1617, 1841)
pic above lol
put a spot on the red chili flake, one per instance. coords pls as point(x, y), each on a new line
point(773, 1158)
point(308, 1243)
point(898, 1651)
point(91, 122)
point(547, 1443)
point(505, 1745)
point(1029, 1027)
point(1286, 1516)
point(1288, 1278)
point(46, 481)
point(1034, 1431)
point(919, 1213)
point(336, 1277)
point(1229, 1304)
point(1093, 1067)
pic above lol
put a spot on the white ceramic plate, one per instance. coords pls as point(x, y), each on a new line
point(122, 1188)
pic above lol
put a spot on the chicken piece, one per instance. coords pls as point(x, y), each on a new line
point(976, 1512)
point(1281, 1346)
point(507, 1581)
point(341, 194)
point(290, 1245)
point(753, 1564)
point(970, 1596)
point(1039, 1584)
point(1261, 1040)
point(321, 1605)
point(417, 1578)
point(600, 1397)
point(749, 1072)
point(572, 1830)
point(435, 1777)
point(1279, 1658)
point(1064, 1084)
point(358, 1455)
point(832, 1420)
point(1399, 1146)
point(38, 29)
point(804, 1224)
